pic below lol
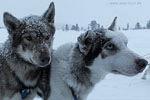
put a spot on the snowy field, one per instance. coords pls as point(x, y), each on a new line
point(113, 87)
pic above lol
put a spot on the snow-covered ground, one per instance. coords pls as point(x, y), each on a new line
point(113, 87)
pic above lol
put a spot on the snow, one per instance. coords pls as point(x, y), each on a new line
point(33, 21)
point(113, 87)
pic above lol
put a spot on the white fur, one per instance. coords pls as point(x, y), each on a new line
point(26, 55)
point(59, 89)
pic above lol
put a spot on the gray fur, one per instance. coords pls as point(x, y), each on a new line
point(11, 22)
point(26, 52)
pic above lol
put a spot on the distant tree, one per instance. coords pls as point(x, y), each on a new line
point(73, 27)
point(148, 25)
point(93, 25)
point(77, 27)
point(119, 28)
point(127, 27)
point(66, 27)
point(137, 25)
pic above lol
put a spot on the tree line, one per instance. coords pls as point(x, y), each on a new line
point(95, 25)
point(138, 25)
point(92, 26)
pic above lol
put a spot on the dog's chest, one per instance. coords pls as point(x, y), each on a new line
point(31, 78)
point(22, 78)
point(81, 82)
point(27, 74)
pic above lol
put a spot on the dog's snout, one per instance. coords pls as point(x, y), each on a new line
point(44, 59)
point(141, 63)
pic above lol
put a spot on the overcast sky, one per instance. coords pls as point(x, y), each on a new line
point(82, 11)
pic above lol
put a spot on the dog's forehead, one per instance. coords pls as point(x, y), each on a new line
point(116, 36)
point(35, 24)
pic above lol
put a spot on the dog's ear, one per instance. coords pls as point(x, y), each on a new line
point(86, 38)
point(85, 42)
point(50, 13)
point(112, 27)
point(88, 34)
point(11, 22)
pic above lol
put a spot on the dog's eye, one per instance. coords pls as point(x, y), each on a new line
point(29, 38)
point(110, 47)
point(47, 37)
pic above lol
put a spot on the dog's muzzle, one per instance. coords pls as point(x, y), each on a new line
point(44, 59)
point(141, 64)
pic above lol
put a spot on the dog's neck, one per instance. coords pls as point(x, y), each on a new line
point(81, 73)
point(26, 72)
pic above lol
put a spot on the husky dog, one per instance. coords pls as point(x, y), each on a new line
point(76, 68)
point(24, 55)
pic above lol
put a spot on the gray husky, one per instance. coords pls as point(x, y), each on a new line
point(25, 54)
point(76, 68)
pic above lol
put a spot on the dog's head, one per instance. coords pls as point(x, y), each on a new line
point(109, 53)
point(32, 36)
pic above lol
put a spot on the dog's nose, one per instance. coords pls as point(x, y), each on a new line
point(141, 63)
point(44, 59)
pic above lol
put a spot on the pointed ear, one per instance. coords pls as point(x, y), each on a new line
point(50, 13)
point(112, 27)
point(11, 22)
point(89, 33)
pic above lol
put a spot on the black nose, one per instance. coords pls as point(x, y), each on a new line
point(44, 59)
point(141, 63)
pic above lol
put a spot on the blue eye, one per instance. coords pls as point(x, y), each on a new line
point(110, 46)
